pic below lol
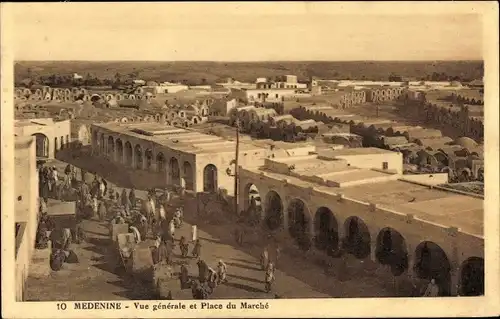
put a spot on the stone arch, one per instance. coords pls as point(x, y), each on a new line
point(42, 145)
point(119, 150)
point(431, 262)
point(357, 239)
point(128, 154)
point(61, 141)
point(55, 145)
point(149, 158)
point(160, 162)
point(138, 156)
point(327, 230)
point(299, 222)
point(174, 171)
point(274, 211)
point(188, 175)
point(210, 178)
point(95, 97)
point(472, 277)
point(111, 147)
point(391, 250)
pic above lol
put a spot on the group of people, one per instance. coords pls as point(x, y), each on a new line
point(151, 220)
point(208, 278)
point(52, 185)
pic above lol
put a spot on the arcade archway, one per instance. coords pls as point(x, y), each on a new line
point(149, 158)
point(111, 147)
point(252, 197)
point(252, 205)
point(273, 210)
point(327, 230)
point(298, 222)
point(188, 176)
point(210, 178)
point(42, 145)
point(119, 150)
point(55, 146)
point(160, 162)
point(431, 262)
point(138, 157)
point(357, 239)
point(94, 138)
point(391, 250)
point(472, 277)
point(174, 171)
point(128, 154)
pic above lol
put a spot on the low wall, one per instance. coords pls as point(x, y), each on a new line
point(427, 179)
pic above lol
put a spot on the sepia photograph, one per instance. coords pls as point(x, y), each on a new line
point(246, 152)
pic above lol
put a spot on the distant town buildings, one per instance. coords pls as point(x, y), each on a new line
point(168, 87)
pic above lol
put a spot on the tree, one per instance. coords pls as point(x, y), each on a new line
point(118, 78)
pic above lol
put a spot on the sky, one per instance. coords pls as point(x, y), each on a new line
point(243, 32)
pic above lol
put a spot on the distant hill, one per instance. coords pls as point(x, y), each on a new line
point(198, 72)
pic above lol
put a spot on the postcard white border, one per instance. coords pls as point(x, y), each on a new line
point(356, 307)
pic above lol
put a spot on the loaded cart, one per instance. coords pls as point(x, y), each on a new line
point(63, 215)
point(126, 245)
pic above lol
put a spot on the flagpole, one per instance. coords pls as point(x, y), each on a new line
point(236, 166)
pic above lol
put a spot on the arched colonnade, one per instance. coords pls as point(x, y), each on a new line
point(149, 157)
point(329, 225)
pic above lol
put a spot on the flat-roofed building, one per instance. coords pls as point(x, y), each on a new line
point(26, 208)
point(50, 136)
point(197, 161)
point(419, 230)
point(367, 157)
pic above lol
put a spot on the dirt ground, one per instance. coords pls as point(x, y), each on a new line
point(99, 275)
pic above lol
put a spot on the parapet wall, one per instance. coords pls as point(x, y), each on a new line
point(457, 244)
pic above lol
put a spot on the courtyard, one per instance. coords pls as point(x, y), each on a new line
point(99, 275)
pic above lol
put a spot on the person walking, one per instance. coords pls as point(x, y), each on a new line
point(184, 277)
point(184, 247)
point(222, 272)
point(196, 249)
point(264, 259)
point(269, 279)
point(132, 198)
point(124, 197)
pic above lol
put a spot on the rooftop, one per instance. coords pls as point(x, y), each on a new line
point(436, 205)
point(179, 139)
point(30, 122)
point(356, 151)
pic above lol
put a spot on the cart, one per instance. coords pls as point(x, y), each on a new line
point(117, 229)
point(126, 246)
point(142, 262)
point(163, 280)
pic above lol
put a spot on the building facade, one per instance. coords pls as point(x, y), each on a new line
point(50, 136)
point(174, 157)
point(26, 209)
point(373, 214)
